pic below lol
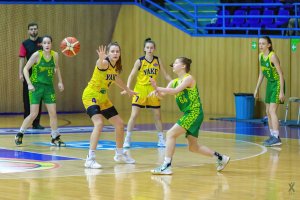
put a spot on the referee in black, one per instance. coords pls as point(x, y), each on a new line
point(27, 48)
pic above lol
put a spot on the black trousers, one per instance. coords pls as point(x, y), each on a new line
point(27, 105)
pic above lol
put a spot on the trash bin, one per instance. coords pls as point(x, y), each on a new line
point(244, 105)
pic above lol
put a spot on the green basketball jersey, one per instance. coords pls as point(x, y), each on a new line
point(189, 98)
point(43, 70)
point(268, 69)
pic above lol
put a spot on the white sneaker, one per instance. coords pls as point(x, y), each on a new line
point(124, 158)
point(164, 169)
point(221, 164)
point(161, 142)
point(127, 142)
point(92, 163)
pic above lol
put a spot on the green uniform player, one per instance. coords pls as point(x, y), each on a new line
point(270, 68)
point(44, 64)
point(188, 100)
point(189, 103)
point(42, 80)
point(273, 85)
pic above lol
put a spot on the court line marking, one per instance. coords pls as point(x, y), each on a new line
point(264, 150)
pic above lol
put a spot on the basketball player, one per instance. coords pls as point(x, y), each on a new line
point(98, 105)
point(188, 100)
point(270, 68)
point(44, 64)
point(27, 48)
point(146, 67)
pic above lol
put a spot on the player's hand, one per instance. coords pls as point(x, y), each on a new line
point(131, 92)
point(281, 97)
point(31, 87)
point(256, 94)
point(123, 92)
point(153, 83)
point(101, 52)
point(61, 87)
point(153, 93)
point(21, 77)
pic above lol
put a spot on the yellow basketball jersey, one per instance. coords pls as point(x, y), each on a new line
point(102, 79)
point(147, 69)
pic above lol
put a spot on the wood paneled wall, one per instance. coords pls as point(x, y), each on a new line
point(92, 25)
point(222, 66)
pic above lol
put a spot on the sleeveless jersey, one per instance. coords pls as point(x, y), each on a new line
point(43, 70)
point(268, 69)
point(147, 70)
point(103, 78)
point(189, 98)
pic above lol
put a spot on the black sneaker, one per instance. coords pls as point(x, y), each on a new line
point(38, 127)
point(57, 142)
point(19, 138)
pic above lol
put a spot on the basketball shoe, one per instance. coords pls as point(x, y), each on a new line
point(124, 158)
point(19, 138)
point(164, 169)
point(57, 141)
point(221, 164)
point(92, 163)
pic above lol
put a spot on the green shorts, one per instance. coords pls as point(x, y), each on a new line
point(42, 92)
point(272, 92)
point(191, 121)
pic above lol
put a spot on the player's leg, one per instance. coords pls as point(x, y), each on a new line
point(113, 117)
point(97, 120)
point(159, 127)
point(135, 110)
point(34, 109)
point(171, 136)
point(274, 139)
point(90, 100)
point(194, 146)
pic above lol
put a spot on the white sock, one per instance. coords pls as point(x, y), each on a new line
point(119, 151)
point(271, 131)
point(54, 133)
point(167, 160)
point(92, 153)
point(276, 133)
point(128, 133)
point(22, 130)
point(160, 135)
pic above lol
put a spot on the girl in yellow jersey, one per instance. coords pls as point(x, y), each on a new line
point(146, 67)
point(98, 105)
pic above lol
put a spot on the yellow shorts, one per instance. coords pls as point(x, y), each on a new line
point(142, 100)
point(91, 97)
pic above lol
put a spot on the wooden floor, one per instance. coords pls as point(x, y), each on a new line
point(38, 171)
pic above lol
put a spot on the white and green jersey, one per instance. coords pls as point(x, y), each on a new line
point(267, 67)
point(43, 70)
point(189, 98)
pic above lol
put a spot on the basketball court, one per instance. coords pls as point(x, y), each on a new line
point(40, 171)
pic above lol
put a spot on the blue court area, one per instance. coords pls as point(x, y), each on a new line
point(15, 154)
point(107, 145)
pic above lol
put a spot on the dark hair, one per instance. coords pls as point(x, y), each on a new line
point(119, 62)
point(148, 40)
point(47, 36)
point(269, 42)
point(32, 24)
point(187, 62)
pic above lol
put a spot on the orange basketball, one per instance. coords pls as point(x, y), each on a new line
point(70, 46)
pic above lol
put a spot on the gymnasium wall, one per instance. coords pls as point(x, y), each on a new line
point(222, 66)
point(91, 24)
